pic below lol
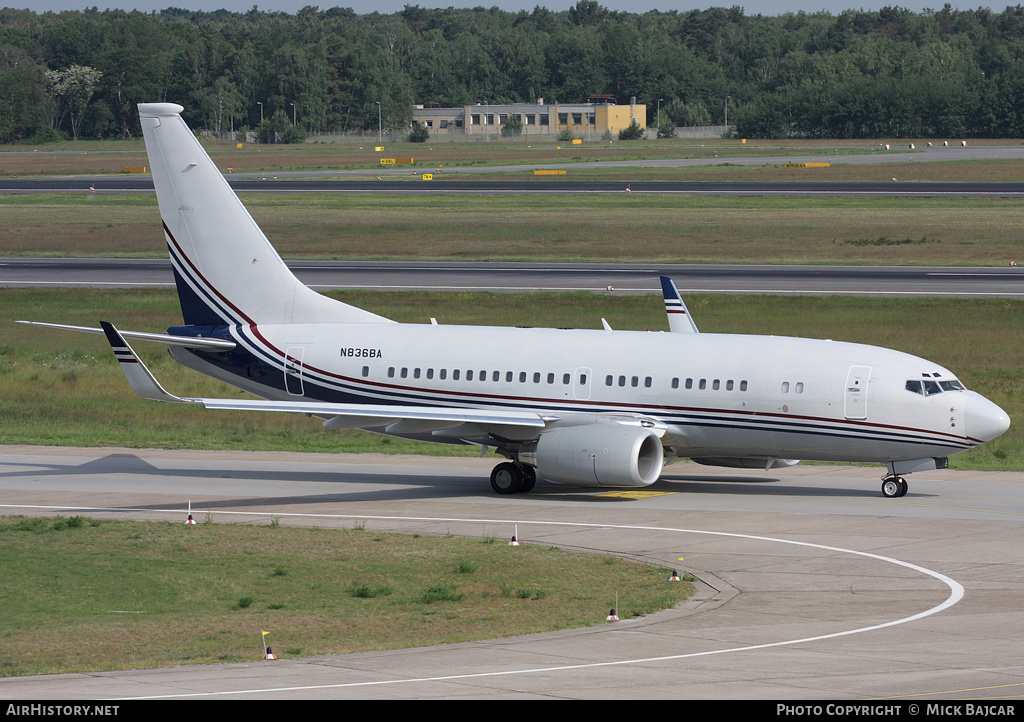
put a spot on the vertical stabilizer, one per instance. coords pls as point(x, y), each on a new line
point(225, 268)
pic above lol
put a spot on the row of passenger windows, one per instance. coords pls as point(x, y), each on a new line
point(565, 378)
point(716, 384)
point(472, 374)
point(701, 384)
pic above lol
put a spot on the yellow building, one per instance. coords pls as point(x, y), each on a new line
point(589, 121)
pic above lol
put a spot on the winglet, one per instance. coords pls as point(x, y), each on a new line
point(679, 319)
point(139, 377)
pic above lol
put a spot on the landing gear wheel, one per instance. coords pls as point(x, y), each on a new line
point(894, 487)
point(507, 478)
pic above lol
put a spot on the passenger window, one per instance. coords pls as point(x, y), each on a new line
point(689, 383)
point(496, 376)
point(469, 375)
point(608, 380)
point(675, 383)
point(622, 380)
point(703, 384)
point(785, 387)
point(443, 374)
point(366, 371)
point(647, 382)
point(728, 385)
point(716, 384)
point(583, 379)
point(799, 387)
point(551, 378)
point(415, 373)
point(566, 378)
point(743, 385)
point(522, 377)
point(391, 372)
point(455, 374)
point(405, 373)
point(508, 377)
point(536, 378)
point(634, 382)
point(430, 373)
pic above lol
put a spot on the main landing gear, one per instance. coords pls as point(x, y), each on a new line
point(509, 478)
point(894, 487)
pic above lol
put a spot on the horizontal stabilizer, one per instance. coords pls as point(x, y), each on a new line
point(193, 342)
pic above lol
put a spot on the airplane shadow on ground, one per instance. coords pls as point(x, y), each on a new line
point(414, 485)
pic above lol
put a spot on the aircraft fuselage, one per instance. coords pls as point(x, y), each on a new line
point(713, 393)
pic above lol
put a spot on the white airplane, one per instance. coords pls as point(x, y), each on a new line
point(599, 408)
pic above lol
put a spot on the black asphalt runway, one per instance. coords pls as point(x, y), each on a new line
point(895, 281)
point(326, 183)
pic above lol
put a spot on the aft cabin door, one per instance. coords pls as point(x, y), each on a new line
point(293, 370)
point(855, 404)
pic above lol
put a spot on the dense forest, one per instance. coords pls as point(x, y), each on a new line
point(886, 74)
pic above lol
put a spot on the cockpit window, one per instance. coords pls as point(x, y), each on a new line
point(927, 387)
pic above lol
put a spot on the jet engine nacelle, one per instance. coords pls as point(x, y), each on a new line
point(603, 454)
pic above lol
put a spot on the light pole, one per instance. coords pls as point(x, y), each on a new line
point(659, 113)
point(380, 127)
point(260, 103)
point(293, 113)
point(727, 114)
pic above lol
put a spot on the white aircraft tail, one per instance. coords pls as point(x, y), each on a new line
point(225, 268)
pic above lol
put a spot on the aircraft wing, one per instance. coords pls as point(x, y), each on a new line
point(413, 418)
point(679, 319)
point(204, 344)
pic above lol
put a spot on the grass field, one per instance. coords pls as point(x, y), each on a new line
point(65, 389)
point(619, 228)
point(111, 157)
point(79, 594)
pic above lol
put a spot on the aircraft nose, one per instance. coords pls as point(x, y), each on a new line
point(984, 420)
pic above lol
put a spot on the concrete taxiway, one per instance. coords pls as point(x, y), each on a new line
point(812, 586)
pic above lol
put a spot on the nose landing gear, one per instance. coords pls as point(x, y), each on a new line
point(894, 487)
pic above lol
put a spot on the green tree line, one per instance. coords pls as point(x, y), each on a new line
point(890, 73)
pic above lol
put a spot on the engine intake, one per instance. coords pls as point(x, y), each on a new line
point(600, 454)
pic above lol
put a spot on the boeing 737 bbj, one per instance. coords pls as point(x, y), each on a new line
point(601, 408)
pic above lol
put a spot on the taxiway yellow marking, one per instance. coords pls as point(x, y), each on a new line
point(639, 494)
